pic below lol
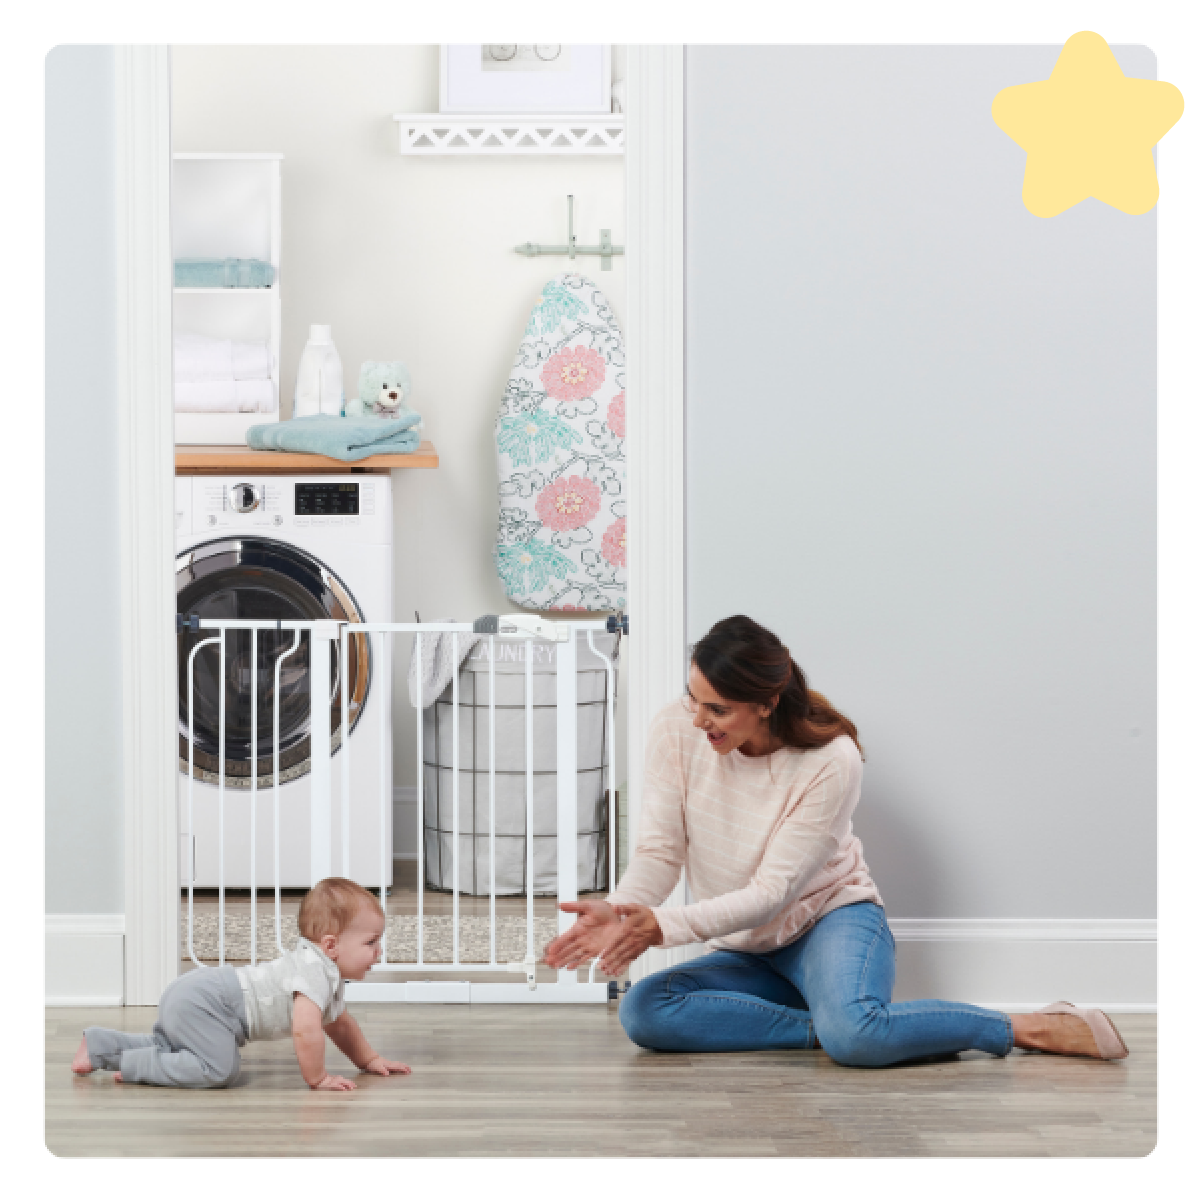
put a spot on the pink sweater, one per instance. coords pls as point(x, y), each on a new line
point(766, 842)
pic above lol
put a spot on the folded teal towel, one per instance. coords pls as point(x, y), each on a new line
point(348, 438)
point(223, 273)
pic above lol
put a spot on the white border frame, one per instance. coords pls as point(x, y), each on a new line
point(655, 385)
point(478, 83)
point(147, 475)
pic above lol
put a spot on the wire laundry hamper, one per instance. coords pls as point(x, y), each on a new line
point(592, 839)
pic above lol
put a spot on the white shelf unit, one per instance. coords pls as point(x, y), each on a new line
point(227, 206)
point(524, 133)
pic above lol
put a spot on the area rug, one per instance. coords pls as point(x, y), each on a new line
point(401, 936)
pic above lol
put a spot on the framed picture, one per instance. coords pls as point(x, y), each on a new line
point(510, 78)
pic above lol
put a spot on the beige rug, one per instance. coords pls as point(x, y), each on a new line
point(401, 936)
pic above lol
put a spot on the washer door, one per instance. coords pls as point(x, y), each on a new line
point(259, 579)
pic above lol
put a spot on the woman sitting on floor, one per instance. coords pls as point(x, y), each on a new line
point(750, 786)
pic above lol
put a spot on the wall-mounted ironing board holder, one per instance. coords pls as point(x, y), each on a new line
point(606, 249)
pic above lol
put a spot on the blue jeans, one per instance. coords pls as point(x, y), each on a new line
point(833, 984)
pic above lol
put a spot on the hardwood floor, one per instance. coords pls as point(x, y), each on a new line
point(513, 1081)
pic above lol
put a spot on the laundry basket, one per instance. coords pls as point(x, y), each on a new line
point(592, 838)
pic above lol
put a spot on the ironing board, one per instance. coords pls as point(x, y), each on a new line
point(560, 443)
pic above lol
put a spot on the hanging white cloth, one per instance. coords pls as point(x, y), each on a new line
point(430, 672)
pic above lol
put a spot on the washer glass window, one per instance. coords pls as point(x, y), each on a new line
point(258, 579)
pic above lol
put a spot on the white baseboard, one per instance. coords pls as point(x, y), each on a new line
point(1013, 964)
point(1022, 964)
point(1026, 929)
point(85, 959)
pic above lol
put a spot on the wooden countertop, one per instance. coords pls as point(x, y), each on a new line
point(238, 460)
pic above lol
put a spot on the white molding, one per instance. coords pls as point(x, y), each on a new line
point(526, 133)
point(655, 385)
point(85, 959)
point(1036, 929)
point(462, 992)
point(143, 135)
point(58, 924)
point(1106, 1006)
point(102, 1001)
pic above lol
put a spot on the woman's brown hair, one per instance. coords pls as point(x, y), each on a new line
point(743, 661)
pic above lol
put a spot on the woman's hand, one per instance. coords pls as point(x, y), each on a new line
point(639, 930)
point(593, 929)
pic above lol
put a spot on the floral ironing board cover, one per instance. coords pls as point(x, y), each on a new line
point(560, 442)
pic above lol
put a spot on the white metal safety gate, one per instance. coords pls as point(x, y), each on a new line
point(567, 987)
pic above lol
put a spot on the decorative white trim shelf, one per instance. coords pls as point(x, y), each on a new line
point(527, 133)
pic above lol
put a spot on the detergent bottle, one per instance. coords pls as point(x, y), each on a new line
point(319, 376)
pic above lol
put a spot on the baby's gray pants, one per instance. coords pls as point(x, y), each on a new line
point(201, 1024)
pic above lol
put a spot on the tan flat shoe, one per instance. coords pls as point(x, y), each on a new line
point(1105, 1033)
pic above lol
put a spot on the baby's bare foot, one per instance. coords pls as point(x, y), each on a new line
point(81, 1065)
point(117, 1078)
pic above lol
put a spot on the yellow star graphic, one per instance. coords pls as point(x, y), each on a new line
point(1088, 130)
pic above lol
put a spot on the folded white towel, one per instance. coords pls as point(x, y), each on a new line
point(198, 358)
point(225, 396)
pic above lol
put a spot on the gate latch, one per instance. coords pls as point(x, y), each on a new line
point(617, 622)
point(190, 623)
point(530, 968)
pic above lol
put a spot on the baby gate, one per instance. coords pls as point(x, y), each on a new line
point(323, 813)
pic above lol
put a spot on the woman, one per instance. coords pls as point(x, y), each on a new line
point(750, 786)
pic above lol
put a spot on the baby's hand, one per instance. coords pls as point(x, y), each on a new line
point(333, 1084)
point(387, 1067)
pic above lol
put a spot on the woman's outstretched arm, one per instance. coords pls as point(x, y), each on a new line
point(654, 868)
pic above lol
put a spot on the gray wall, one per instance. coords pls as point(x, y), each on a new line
point(921, 447)
point(83, 667)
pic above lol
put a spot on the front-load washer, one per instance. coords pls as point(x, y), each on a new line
point(289, 548)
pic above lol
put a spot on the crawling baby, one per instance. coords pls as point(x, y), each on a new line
point(204, 1016)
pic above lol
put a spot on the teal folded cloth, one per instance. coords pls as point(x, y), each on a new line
point(223, 273)
point(348, 438)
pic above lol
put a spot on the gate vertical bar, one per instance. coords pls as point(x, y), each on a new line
point(421, 803)
point(567, 782)
point(344, 689)
point(320, 809)
point(610, 691)
point(491, 799)
point(385, 745)
point(191, 796)
point(254, 793)
point(221, 804)
point(279, 663)
point(454, 820)
point(529, 800)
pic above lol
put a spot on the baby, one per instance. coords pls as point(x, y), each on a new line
point(204, 1016)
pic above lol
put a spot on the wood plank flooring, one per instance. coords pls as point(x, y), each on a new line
point(513, 1081)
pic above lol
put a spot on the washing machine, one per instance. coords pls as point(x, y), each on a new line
point(282, 548)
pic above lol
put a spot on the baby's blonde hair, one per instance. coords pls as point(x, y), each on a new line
point(331, 905)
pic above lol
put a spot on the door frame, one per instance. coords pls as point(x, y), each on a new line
point(657, 650)
point(147, 484)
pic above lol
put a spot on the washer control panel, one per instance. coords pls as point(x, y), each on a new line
point(270, 503)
